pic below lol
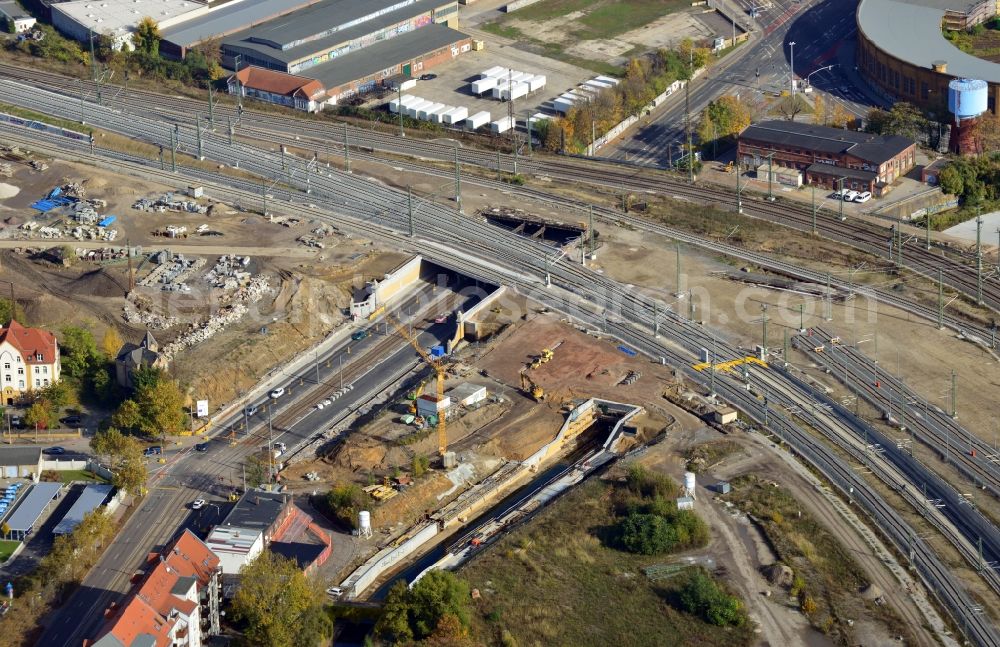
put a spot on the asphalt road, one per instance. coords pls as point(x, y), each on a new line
point(824, 33)
point(188, 474)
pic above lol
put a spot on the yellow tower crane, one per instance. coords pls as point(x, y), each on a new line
point(438, 367)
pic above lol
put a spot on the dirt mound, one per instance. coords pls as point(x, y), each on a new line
point(871, 592)
point(359, 458)
point(779, 575)
point(101, 282)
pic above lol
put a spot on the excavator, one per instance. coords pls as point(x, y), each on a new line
point(438, 366)
point(529, 387)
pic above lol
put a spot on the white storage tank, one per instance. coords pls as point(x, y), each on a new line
point(364, 524)
point(483, 85)
point(689, 484)
point(501, 125)
point(477, 120)
point(456, 116)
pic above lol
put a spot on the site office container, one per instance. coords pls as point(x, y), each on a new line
point(477, 120)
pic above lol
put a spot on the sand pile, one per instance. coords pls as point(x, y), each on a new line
point(8, 191)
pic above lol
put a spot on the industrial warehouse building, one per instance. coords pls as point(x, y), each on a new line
point(822, 156)
point(349, 46)
point(904, 55)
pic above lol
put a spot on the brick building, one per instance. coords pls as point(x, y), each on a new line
point(276, 87)
point(823, 156)
point(903, 53)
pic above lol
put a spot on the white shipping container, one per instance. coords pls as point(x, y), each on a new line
point(456, 116)
point(411, 109)
point(436, 116)
point(394, 106)
point(520, 77)
point(409, 100)
point(477, 120)
point(607, 79)
point(537, 82)
point(501, 125)
point(539, 116)
point(497, 93)
point(424, 113)
point(518, 91)
point(407, 84)
point(496, 70)
point(483, 85)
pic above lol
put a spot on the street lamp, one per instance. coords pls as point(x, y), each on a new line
point(791, 77)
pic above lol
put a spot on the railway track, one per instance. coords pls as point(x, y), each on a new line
point(956, 268)
point(490, 256)
point(891, 397)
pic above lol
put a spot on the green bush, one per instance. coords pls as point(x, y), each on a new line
point(346, 501)
point(647, 534)
point(647, 484)
point(701, 596)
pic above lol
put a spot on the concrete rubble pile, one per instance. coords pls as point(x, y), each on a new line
point(167, 202)
point(229, 272)
point(147, 319)
point(207, 329)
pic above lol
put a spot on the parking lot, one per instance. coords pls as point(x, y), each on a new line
point(451, 86)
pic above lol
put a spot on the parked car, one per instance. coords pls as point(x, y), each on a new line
point(71, 421)
point(849, 195)
point(155, 450)
point(280, 446)
point(327, 402)
point(278, 392)
point(359, 335)
point(335, 591)
point(201, 447)
point(16, 422)
point(54, 451)
point(864, 196)
point(320, 405)
point(428, 77)
point(198, 504)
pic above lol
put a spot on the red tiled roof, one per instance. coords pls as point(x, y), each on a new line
point(30, 342)
point(281, 83)
point(149, 610)
point(138, 618)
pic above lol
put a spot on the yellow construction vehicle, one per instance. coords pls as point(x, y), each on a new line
point(528, 386)
point(546, 355)
point(438, 367)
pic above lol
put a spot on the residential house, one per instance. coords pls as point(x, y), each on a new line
point(132, 357)
point(29, 359)
point(177, 604)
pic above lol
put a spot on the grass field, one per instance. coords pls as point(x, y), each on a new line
point(554, 582)
point(600, 20)
point(68, 476)
point(7, 548)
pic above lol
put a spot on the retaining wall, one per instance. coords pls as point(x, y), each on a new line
point(385, 559)
point(380, 292)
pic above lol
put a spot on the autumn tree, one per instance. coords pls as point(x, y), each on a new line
point(124, 457)
point(279, 604)
point(157, 406)
point(819, 110)
point(418, 612)
point(840, 117)
point(38, 416)
point(789, 106)
point(78, 351)
point(111, 343)
point(902, 119)
point(147, 37)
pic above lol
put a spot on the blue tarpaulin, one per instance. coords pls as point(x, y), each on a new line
point(106, 221)
point(628, 351)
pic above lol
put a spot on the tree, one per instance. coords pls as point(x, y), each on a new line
point(700, 595)
point(840, 118)
point(647, 534)
point(819, 110)
point(951, 180)
point(111, 343)
point(420, 464)
point(346, 501)
point(987, 134)
point(789, 106)
point(56, 396)
point(279, 604)
point(124, 456)
point(10, 310)
point(902, 119)
point(417, 612)
point(38, 416)
point(156, 408)
point(79, 351)
point(147, 37)
point(255, 468)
